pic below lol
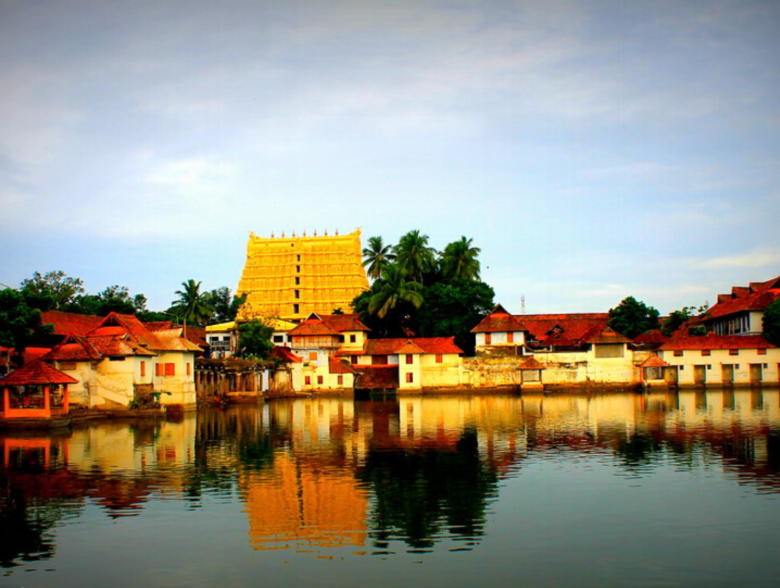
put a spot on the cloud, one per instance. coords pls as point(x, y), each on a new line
point(757, 258)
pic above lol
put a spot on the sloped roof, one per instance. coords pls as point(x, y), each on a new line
point(571, 326)
point(439, 345)
point(36, 372)
point(284, 354)
point(499, 321)
point(74, 348)
point(312, 326)
point(66, 323)
point(653, 361)
point(605, 335)
point(713, 341)
point(337, 366)
point(117, 324)
point(172, 340)
point(344, 322)
point(532, 364)
point(651, 337)
point(376, 377)
point(756, 296)
point(228, 326)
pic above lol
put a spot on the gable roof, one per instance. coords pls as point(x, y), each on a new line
point(653, 361)
point(328, 325)
point(713, 341)
point(756, 296)
point(36, 372)
point(66, 323)
point(651, 338)
point(571, 326)
point(338, 366)
point(532, 364)
point(606, 335)
point(416, 345)
point(499, 321)
point(284, 354)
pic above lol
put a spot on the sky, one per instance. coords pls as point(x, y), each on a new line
point(591, 149)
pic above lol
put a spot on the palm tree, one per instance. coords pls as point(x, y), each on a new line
point(459, 261)
point(377, 256)
point(414, 255)
point(394, 288)
point(192, 306)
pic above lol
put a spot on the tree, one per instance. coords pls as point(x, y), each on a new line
point(414, 255)
point(459, 261)
point(225, 305)
point(395, 288)
point(62, 289)
point(254, 340)
point(632, 317)
point(19, 322)
point(377, 256)
point(772, 323)
point(112, 299)
point(452, 309)
point(192, 306)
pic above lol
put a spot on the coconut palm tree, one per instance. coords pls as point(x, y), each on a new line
point(414, 256)
point(459, 261)
point(192, 306)
point(395, 287)
point(377, 256)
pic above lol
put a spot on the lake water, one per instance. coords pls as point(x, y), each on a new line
point(657, 489)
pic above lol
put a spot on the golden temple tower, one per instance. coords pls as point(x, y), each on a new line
point(291, 277)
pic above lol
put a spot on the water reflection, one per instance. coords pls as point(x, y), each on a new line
point(416, 474)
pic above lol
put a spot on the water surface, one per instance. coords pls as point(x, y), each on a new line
point(458, 490)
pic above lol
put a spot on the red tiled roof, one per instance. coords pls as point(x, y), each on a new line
point(74, 348)
point(651, 337)
point(532, 364)
point(557, 340)
point(572, 326)
point(757, 296)
point(173, 341)
point(159, 325)
point(375, 377)
point(605, 335)
point(312, 326)
point(36, 372)
point(713, 341)
point(285, 354)
point(337, 366)
point(439, 345)
point(499, 321)
point(66, 323)
point(344, 322)
point(653, 361)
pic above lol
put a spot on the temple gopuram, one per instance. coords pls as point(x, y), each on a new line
point(291, 277)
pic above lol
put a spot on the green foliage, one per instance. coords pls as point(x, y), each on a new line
point(452, 309)
point(112, 299)
point(223, 302)
point(414, 256)
point(254, 340)
point(772, 322)
point(19, 321)
point(56, 285)
point(376, 257)
point(394, 292)
point(459, 261)
point(678, 318)
point(192, 306)
point(632, 317)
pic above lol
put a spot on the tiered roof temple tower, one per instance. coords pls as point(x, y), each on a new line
point(291, 277)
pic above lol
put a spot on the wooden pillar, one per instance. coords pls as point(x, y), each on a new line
point(65, 398)
point(6, 399)
point(47, 399)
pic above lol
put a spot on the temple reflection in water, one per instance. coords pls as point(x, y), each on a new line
point(329, 473)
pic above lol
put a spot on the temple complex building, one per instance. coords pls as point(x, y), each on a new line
point(291, 277)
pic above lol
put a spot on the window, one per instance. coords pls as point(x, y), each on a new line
point(297, 269)
point(409, 358)
point(705, 352)
point(69, 366)
point(605, 350)
point(170, 369)
point(762, 351)
point(733, 351)
point(312, 356)
point(297, 280)
point(296, 309)
point(439, 358)
point(510, 337)
point(158, 369)
point(340, 380)
point(116, 359)
point(409, 378)
point(278, 338)
point(143, 369)
point(354, 359)
point(487, 338)
point(298, 257)
point(307, 380)
point(297, 294)
point(353, 338)
point(678, 352)
point(319, 380)
point(189, 368)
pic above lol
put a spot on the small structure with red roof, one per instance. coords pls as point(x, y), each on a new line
point(500, 333)
point(35, 391)
point(742, 311)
